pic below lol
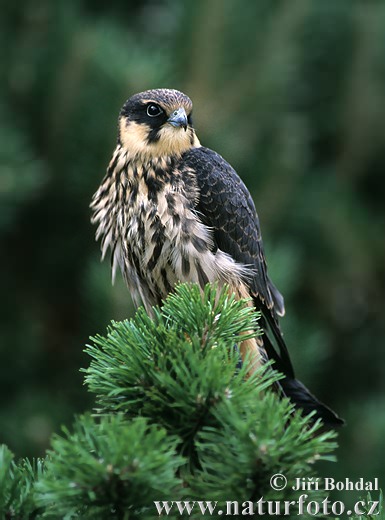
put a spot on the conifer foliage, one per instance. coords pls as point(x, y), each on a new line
point(176, 419)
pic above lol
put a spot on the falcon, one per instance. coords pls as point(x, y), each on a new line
point(171, 211)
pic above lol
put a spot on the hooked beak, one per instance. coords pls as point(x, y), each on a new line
point(178, 118)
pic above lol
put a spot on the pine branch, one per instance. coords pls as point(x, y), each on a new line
point(177, 419)
point(17, 481)
point(108, 468)
point(179, 370)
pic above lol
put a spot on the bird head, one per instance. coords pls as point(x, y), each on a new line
point(157, 122)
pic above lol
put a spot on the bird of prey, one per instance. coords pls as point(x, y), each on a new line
point(171, 210)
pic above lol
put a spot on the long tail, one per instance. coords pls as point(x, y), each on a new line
point(296, 391)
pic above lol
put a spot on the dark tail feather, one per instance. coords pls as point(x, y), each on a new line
point(297, 392)
point(307, 402)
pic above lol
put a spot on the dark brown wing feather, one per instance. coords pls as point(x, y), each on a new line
point(226, 206)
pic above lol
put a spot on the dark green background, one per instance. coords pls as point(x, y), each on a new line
point(291, 93)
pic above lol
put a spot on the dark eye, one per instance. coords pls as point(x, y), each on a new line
point(153, 110)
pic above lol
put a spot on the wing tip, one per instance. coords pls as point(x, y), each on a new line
point(304, 400)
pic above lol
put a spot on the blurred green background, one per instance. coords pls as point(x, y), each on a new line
point(291, 93)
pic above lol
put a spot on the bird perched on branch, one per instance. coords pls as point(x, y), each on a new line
point(171, 210)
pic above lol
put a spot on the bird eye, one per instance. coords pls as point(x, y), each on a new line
point(154, 110)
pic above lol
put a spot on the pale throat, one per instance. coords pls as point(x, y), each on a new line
point(172, 141)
